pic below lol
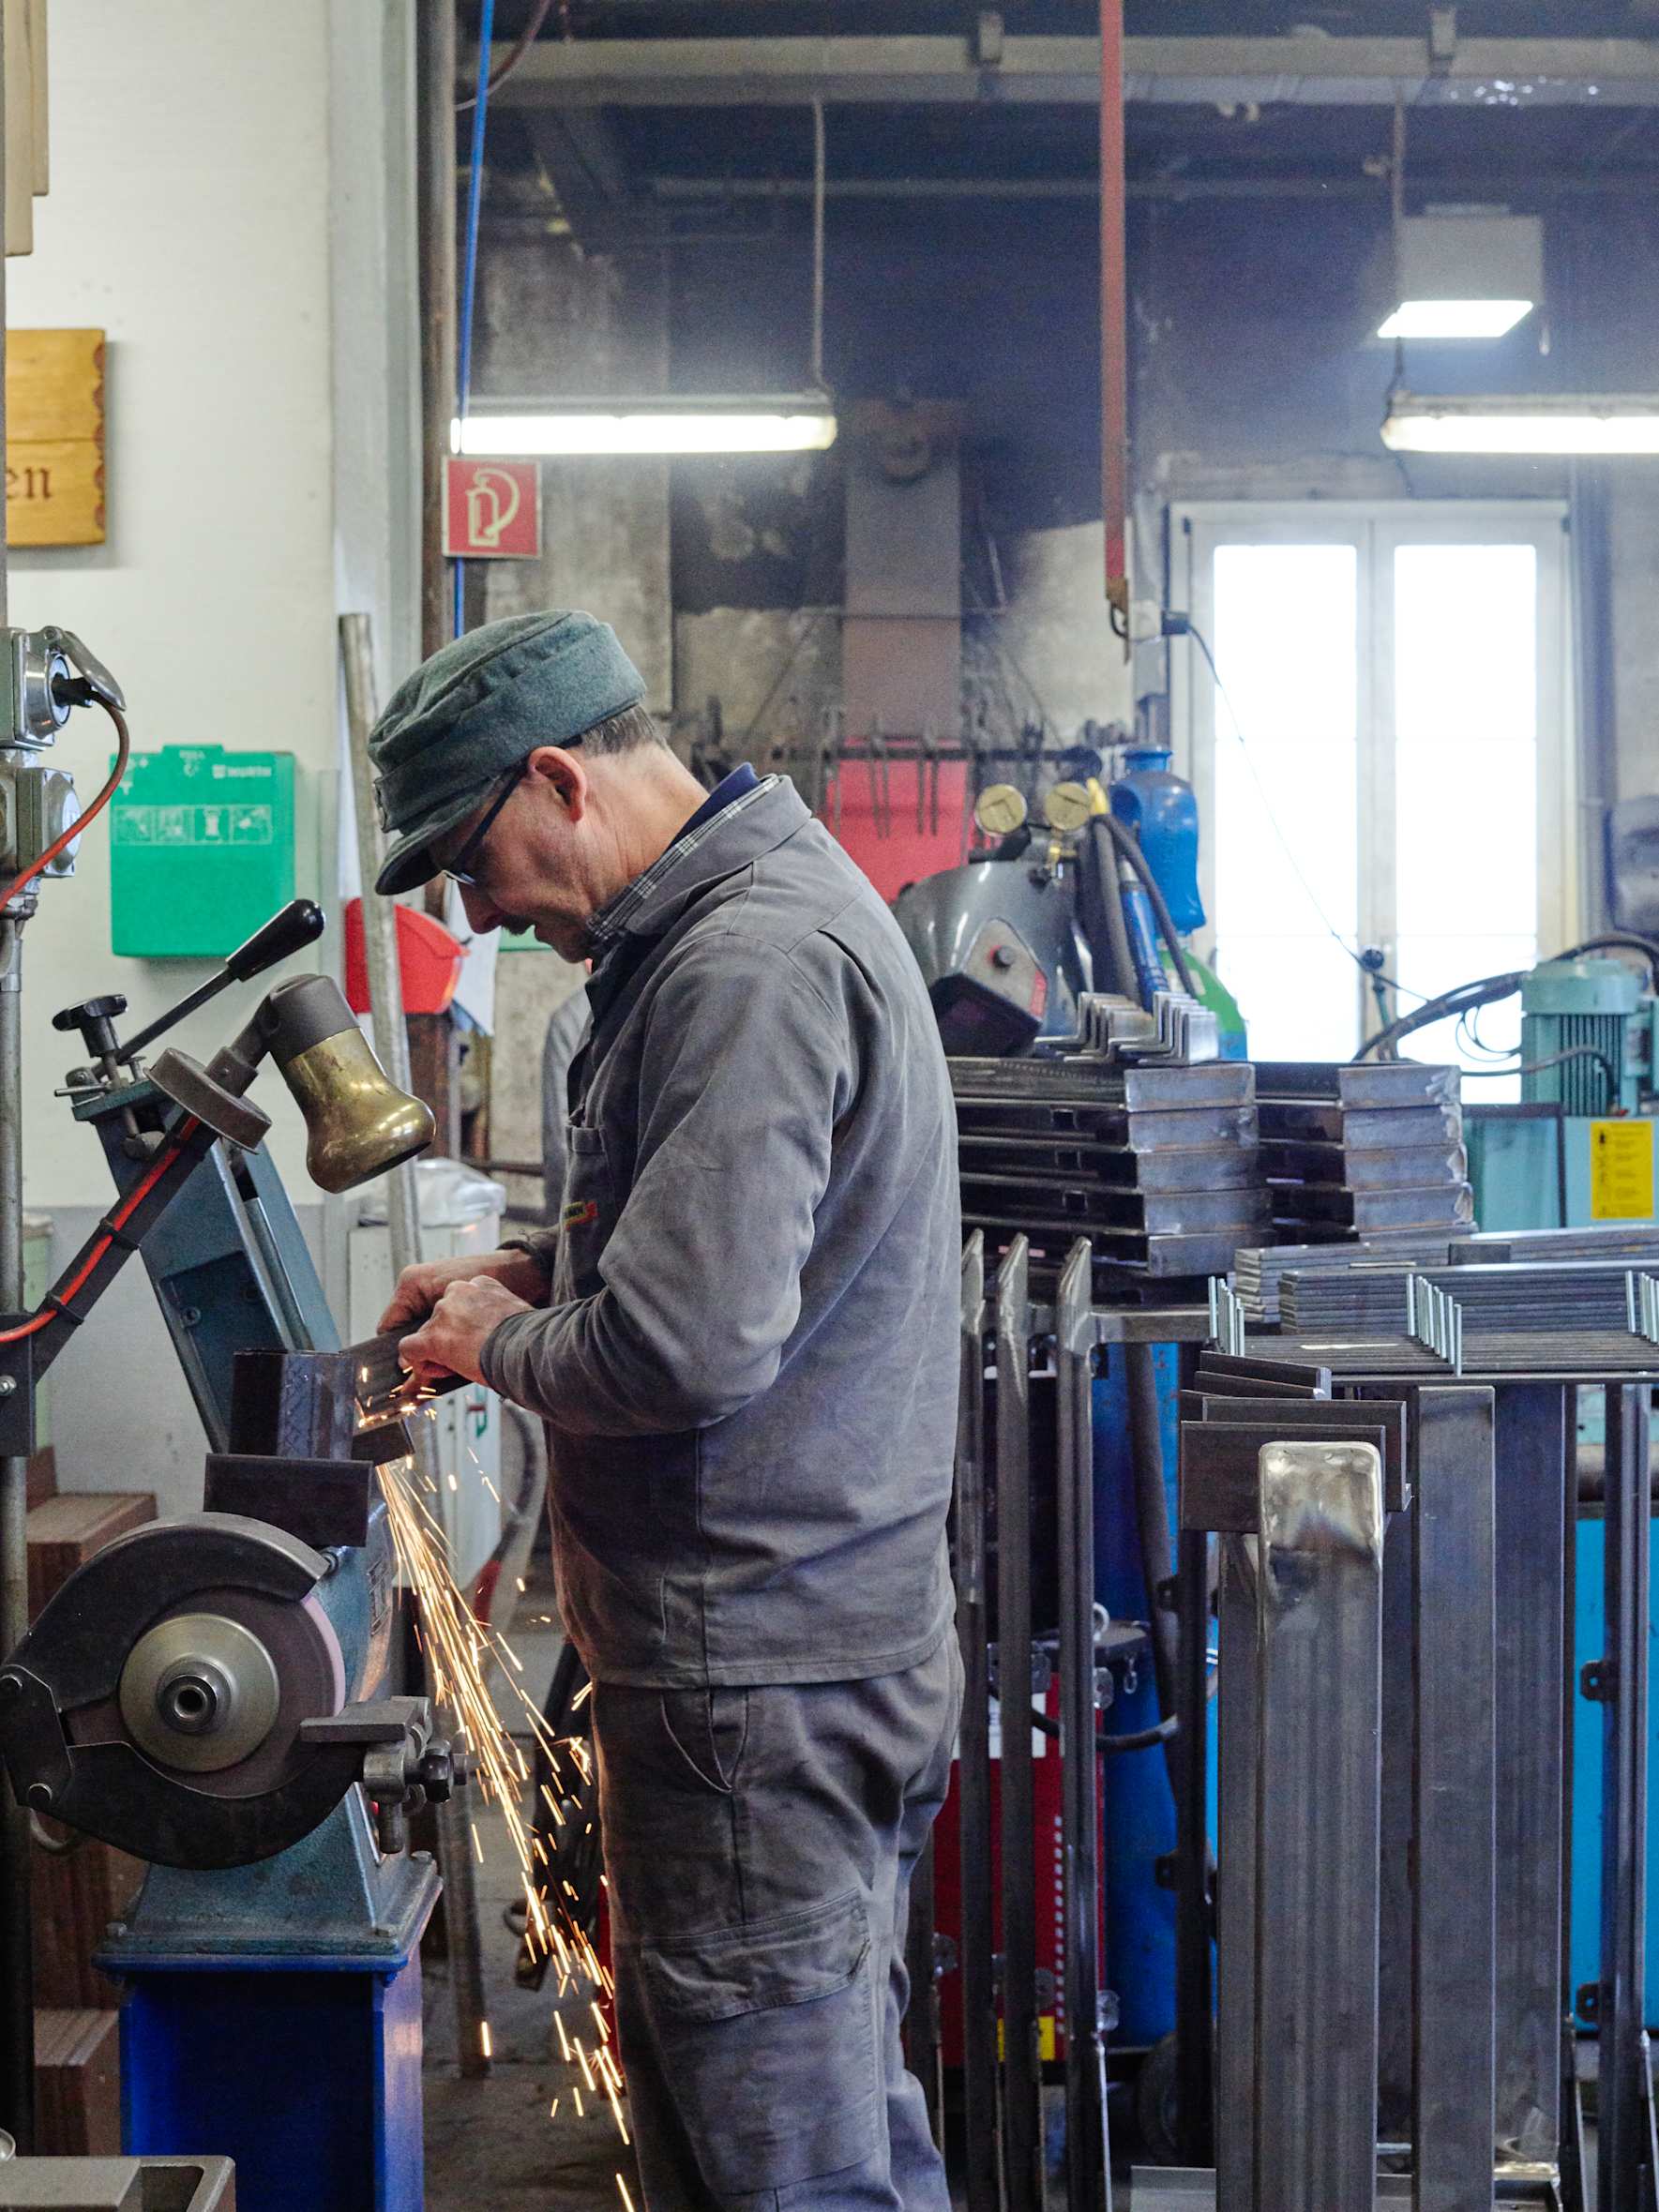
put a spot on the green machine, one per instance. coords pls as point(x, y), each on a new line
point(1577, 1151)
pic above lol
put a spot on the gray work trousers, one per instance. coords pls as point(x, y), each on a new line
point(760, 1845)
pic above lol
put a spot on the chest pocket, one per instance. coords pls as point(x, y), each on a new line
point(586, 1213)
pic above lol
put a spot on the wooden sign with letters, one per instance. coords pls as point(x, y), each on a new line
point(54, 438)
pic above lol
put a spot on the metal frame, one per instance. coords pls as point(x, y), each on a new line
point(1087, 2149)
point(979, 1996)
point(1023, 2072)
point(1624, 2159)
point(1318, 1798)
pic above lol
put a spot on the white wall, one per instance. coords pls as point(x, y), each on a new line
point(232, 201)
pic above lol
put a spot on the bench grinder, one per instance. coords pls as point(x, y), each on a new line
point(208, 1694)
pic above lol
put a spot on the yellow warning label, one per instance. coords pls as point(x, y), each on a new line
point(1622, 1170)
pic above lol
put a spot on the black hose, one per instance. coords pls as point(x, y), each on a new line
point(1488, 989)
point(1138, 1740)
point(1102, 912)
point(1128, 844)
point(1151, 1530)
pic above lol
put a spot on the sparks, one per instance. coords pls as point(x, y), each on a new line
point(484, 2039)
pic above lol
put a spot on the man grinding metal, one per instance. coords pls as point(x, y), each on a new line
point(743, 1337)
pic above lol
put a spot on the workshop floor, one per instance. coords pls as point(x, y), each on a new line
point(492, 2143)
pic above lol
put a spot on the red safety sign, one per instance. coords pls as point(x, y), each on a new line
point(492, 509)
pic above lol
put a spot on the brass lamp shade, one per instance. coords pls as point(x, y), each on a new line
point(360, 1123)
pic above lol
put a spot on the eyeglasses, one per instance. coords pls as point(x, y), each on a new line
point(463, 869)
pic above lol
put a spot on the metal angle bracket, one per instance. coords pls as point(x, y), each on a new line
point(1227, 1317)
point(1435, 1320)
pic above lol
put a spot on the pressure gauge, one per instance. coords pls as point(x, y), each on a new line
point(1066, 807)
point(999, 809)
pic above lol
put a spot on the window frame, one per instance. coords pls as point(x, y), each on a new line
point(1375, 529)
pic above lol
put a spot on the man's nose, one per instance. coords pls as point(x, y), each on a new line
point(481, 913)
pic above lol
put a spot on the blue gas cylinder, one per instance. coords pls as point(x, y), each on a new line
point(1160, 807)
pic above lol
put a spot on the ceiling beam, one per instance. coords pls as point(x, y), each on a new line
point(905, 70)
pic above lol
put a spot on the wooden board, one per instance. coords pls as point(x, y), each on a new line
point(64, 1532)
point(54, 437)
point(75, 1899)
point(77, 2083)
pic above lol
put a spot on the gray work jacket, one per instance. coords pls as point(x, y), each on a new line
point(749, 1363)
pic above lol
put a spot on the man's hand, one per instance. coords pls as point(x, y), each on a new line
point(451, 1339)
point(419, 1288)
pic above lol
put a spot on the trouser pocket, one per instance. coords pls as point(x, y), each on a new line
point(765, 2036)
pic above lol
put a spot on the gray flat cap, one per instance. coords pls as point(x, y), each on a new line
point(481, 705)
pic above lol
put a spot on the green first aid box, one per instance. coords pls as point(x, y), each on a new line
point(202, 851)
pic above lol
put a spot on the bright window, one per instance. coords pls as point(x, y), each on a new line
point(1387, 767)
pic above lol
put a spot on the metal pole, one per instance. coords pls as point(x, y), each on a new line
point(1088, 2158)
point(979, 2000)
point(17, 1967)
point(1022, 2068)
point(1454, 1800)
point(436, 66)
point(391, 1039)
point(1235, 1879)
point(1318, 1640)
point(1620, 1681)
point(1195, 2043)
point(1535, 1489)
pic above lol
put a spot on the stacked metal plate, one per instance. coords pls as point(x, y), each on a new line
point(1259, 1272)
point(1366, 1150)
point(1571, 1295)
point(1636, 1243)
point(1158, 1166)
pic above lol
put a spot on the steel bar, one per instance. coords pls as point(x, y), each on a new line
point(1453, 1800)
point(1235, 1879)
point(17, 1988)
point(1088, 2164)
point(1195, 2027)
point(979, 2000)
point(1533, 1452)
point(1621, 1683)
point(435, 137)
point(911, 69)
point(391, 1039)
point(1022, 2135)
point(1318, 1724)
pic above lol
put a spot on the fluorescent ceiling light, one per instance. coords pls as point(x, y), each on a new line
point(766, 423)
point(1454, 318)
point(1572, 422)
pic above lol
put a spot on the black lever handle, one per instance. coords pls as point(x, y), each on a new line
point(300, 924)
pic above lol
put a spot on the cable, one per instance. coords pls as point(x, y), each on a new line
point(1192, 630)
point(1466, 997)
point(67, 836)
point(56, 1299)
point(522, 46)
point(1129, 846)
point(463, 380)
point(1534, 1067)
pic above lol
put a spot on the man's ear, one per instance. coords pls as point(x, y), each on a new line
point(563, 770)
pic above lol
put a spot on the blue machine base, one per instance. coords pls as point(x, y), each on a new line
point(307, 2073)
point(1139, 1807)
point(1591, 1643)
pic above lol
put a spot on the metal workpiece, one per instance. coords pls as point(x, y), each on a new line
point(1620, 1683)
point(1534, 1507)
point(1453, 1798)
point(1023, 2072)
point(1087, 2160)
point(979, 2002)
point(1317, 1804)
